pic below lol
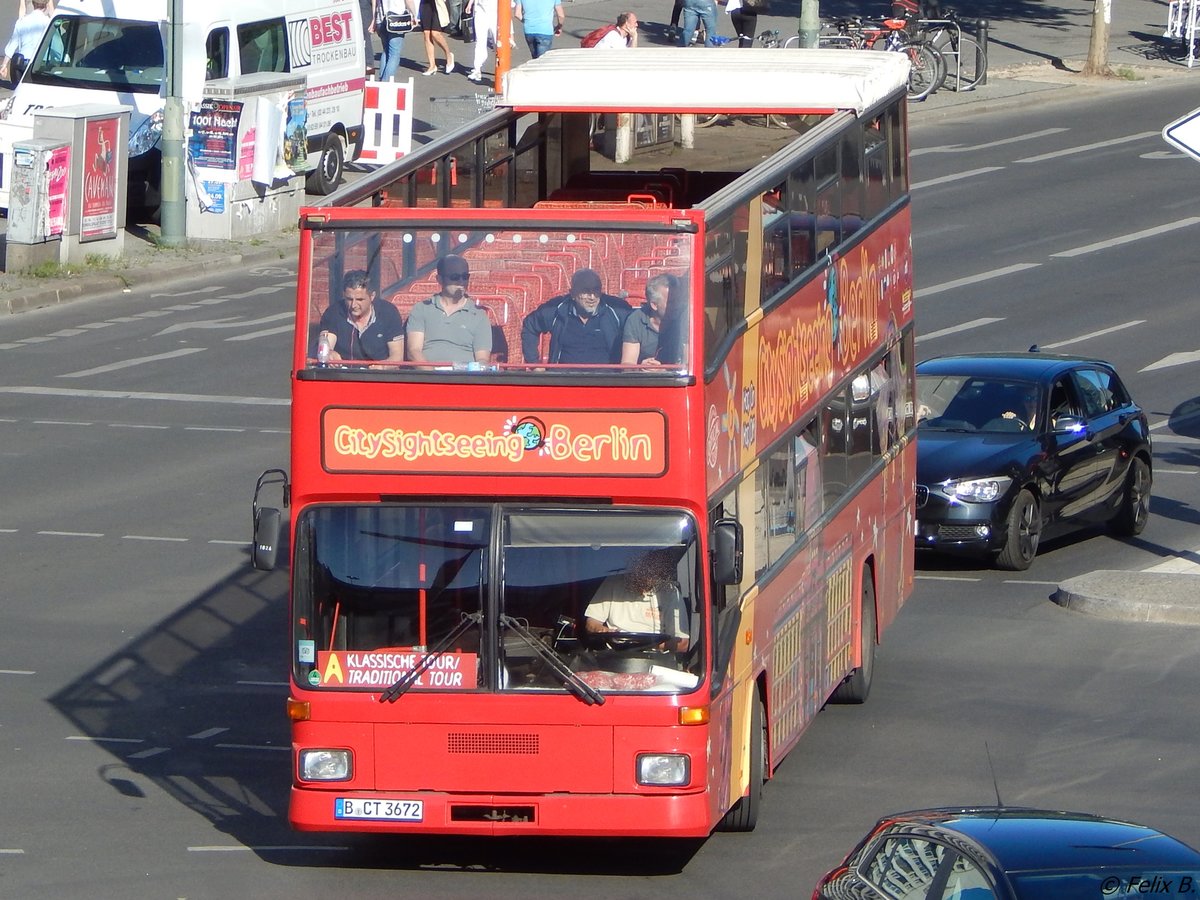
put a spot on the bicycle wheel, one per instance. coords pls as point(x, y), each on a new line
point(967, 66)
point(922, 75)
point(703, 120)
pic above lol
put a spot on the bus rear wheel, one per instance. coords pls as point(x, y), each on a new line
point(744, 814)
point(856, 688)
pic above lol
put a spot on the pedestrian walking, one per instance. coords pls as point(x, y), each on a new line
point(26, 36)
point(542, 20)
point(699, 12)
point(383, 14)
point(485, 15)
point(435, 19)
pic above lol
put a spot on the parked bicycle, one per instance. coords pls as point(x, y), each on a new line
point(891, 34)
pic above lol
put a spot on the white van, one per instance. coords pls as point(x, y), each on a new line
point(113, 51)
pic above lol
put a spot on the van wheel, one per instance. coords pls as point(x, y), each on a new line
point(325, 178)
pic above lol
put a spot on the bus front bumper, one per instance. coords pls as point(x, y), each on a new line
point(579, 815)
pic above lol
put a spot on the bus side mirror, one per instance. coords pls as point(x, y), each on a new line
point(726, 552)
point(266, 538)
point(266, 520)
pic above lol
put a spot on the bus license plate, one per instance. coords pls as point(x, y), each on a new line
point(391, 810)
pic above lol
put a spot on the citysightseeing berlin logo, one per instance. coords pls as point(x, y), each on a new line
point(616, 442)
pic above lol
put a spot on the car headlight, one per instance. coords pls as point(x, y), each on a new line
point(147, 135)
point(977, 490)
point(325, 765)
point(672, 769)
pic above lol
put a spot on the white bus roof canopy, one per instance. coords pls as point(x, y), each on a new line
point(661, 79)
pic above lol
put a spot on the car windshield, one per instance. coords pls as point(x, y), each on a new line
point(974, 403)
point(568, 599)
point(110, 54)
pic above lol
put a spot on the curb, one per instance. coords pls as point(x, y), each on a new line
point(1158, 597)
point(100, 285)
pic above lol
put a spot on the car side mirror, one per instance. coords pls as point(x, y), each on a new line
point(1070, 425)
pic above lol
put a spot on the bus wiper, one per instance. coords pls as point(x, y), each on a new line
point(570, 680)
point(392, 694)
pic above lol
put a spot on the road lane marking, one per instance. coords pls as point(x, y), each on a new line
point(969, 148)
point(272, 748)
point(955, 329)
point(225, 322)
point(231, 543)
point(1158, 470)
point(214, 428)
point(203, 290)
point(957, 176)
point(146, 754)
point(1099, 145)
point(130, 363)
point(206, 733)
point(1128, 238)
point(93, 739)
point(151, 537)
point(72, 533)
point(945, 578)
point(59, 422)
point(1174, 359)
point(146, 395)
point(265, 848)
point(283, 329)
point(129, 425)
point(1028, 581)
point(17, 672)
point(1094, 334)
point(973, 279)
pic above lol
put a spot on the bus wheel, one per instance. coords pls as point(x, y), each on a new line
point(744, 814)
point(325, 178)
point(855, 688)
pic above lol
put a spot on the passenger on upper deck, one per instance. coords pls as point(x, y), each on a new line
point(645, 341)
point(361, 327)
point(449, 327)
point(585, 326)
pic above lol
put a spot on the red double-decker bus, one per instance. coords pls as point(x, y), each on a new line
point(539, 592)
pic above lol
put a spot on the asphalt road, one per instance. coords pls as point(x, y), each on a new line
point(142, 664)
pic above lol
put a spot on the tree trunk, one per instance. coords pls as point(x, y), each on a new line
point(1097, 61)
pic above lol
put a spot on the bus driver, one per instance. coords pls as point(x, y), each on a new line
point(642, 601)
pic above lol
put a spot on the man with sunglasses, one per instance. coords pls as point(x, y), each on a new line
point(584, 326)
point(449, 327)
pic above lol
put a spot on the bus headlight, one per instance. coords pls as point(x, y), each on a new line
point(325, 765)
point(671, 769)
point(147, 135)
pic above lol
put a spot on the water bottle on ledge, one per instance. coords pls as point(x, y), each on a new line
point(323, 351)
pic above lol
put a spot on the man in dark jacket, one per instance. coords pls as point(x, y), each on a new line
point(585, 325)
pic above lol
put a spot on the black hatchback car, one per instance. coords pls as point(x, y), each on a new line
point(1003, 853)
point(1012, 447)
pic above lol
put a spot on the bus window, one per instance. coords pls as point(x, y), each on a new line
point(853, 205)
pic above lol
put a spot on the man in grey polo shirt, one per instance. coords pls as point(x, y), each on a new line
point(449, 327)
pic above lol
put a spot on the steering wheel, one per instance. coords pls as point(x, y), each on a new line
point(633, 640)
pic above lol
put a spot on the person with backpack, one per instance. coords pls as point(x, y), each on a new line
point(620, 36)
point(585, 326)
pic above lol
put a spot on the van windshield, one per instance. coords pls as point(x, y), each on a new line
point(110, 54)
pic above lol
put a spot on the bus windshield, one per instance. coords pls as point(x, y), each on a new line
point(112, 54)
point(533, 299)
point(612, 598)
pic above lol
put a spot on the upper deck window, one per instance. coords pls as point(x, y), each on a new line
point(449, 299)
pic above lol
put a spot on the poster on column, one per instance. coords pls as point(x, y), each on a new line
point(212, 145)
point(99, 220)
point(58, 167)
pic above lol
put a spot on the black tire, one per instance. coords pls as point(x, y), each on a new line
point(743, 816)
point(1024, 529)
point(858, 685)
point(1131, 518)
point(331, 164)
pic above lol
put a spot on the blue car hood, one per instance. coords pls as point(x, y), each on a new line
point(942, 455)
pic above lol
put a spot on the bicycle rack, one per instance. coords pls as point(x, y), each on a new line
point(952, 51)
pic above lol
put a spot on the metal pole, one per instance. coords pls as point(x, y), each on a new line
point(981, 38)
point(173, 208)
point(810, 22)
